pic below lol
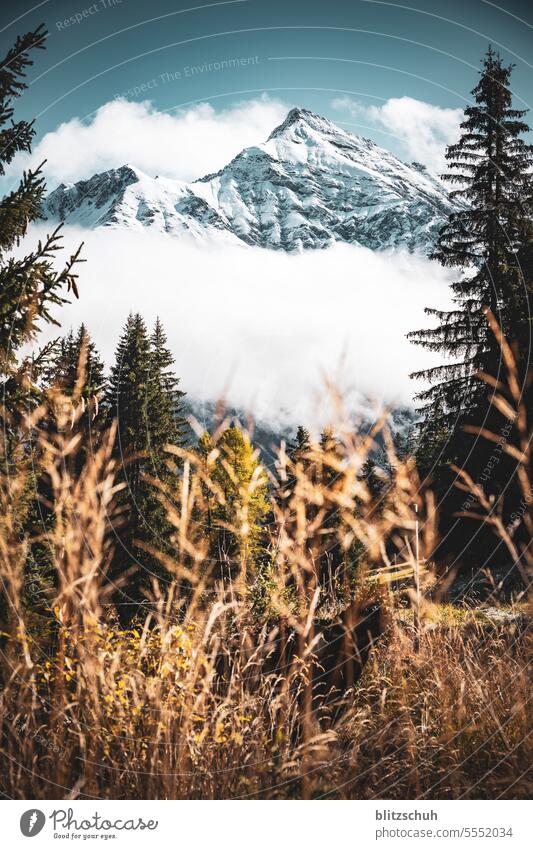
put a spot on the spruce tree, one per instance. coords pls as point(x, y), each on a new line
point(30, 287)
point(75, 367)
point(523, 323)
point(331, 558)
point(76, 372)
point(370, 476)
point(166, 424)
point(72, 384)
point(301, 445)
point(127, 398)
point(489, 168)
point(93, 369)
point(143, 398)
point(127, 401)
point(297, 453)
point(430, 441)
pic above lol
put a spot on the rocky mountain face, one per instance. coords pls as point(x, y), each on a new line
point(310, 184)
point(125, 197)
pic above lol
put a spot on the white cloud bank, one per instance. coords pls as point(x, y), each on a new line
point(263, 328)
point(182, 145)
point(422, 129)
point(198, 140)
point(189, 143)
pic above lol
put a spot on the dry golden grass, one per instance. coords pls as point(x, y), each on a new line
point(210, 697)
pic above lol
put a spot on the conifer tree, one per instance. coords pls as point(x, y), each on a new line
point(430, 442)
point(127, 397)
point(297, 451)
point(370, 476)
point(331, 559)
point(301, 445)
point(73, 383)
point(76, 371)
point(523, 323)
point(142, 396)
point(490, 170)
point(65, 364)
point(238, 522)
point(30, 287)
point(166, 424)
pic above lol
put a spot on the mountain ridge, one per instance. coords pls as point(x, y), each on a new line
point(310, 184)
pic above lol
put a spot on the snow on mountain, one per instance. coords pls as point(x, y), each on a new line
point(125, 197)
point(309, 185)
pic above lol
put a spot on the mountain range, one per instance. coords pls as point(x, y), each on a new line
point(310, 184)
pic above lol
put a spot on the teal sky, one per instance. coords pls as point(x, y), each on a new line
point(307, 53)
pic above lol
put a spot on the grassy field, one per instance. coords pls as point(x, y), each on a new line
point(268, 685)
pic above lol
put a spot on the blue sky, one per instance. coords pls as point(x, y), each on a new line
point(311, 53)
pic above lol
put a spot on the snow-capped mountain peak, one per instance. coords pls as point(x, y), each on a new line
point(299, 119)
point(308, 185)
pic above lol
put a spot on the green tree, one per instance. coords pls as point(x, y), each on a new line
point(430, 440)
point(72, 383)
point(166, 424)
point(297, 453)
point(522, 335)
point(30, 287)
point(331, 559)
point(490, 170)
point(67, 361)
point(369, 474)
point(143, 398)
point(30, 290)
point(301, 445)
point(75, 379)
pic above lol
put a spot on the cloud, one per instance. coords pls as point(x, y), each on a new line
point(260, 327)
point(183, 145)
point(422, 129)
